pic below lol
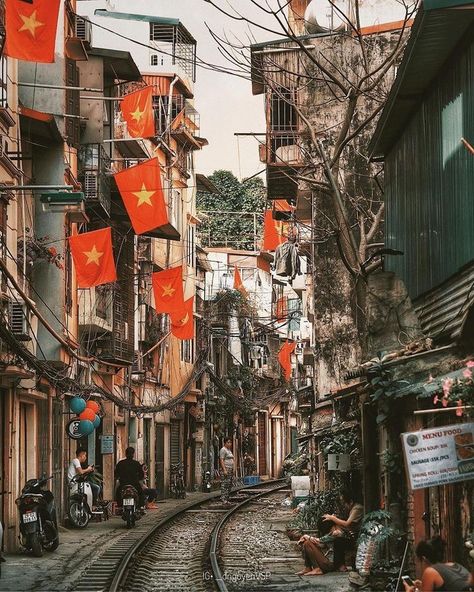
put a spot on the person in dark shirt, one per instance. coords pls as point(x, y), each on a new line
point(129, 472)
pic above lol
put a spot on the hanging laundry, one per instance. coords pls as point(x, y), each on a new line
point(287, 261)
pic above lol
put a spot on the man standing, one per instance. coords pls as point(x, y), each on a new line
point(226, 462)
point(129, 472)
point(75, 468)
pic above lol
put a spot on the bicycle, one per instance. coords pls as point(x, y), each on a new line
point(177, 485)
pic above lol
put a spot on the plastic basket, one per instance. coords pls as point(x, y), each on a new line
point(252, 480)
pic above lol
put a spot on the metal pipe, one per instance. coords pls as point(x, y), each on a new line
point(441, 409)
point(35, 187)
point(101, 98)
point(58, 87)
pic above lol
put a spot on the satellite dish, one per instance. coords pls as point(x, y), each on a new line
point(322, 16)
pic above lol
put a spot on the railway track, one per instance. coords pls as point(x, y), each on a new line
point(172, 554)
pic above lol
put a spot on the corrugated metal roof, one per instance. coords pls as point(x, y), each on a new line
point(443, 311)
point(127, 16)
point(434, 36)
point(434, 4)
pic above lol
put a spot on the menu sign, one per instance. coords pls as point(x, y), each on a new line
point(440, 455)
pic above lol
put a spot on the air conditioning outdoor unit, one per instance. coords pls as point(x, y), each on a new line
point(84, 29)
point(18, 316)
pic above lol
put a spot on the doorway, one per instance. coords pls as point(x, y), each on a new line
point(27, 436)
point(160, 460)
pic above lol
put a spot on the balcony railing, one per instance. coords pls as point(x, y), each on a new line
point(94, 166)
point(284, 149)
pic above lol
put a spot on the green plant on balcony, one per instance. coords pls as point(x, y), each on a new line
point(385, 391)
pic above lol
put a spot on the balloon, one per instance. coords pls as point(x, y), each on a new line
point(96, 421)
point(86, 427)
point(77, 405)
point(87, 414)
point(93, 405)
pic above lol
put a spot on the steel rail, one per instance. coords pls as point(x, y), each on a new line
point(217, 576)
point(137, 546)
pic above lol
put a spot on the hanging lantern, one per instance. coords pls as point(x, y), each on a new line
point(93, 405)
point(77, 405)
point(86, 427)
point(87, 414)
point(96, 421)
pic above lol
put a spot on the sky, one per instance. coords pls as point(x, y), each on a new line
point(225, 103)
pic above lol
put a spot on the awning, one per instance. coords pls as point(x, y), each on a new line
point(336, 429)
point(205, 185)
point(118, 65)
point(131, 149)
point(161, 83)
point(39, 126)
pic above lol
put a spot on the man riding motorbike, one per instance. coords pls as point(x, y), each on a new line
point(129, 472)
point(75, 468)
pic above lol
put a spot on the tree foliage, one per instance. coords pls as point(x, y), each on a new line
point(233, 229)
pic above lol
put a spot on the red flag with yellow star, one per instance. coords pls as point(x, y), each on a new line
point(284, 357)
point(31, 29)
point(93, 258)
point(137, 111)
point(168, 290)
point(142, 193)
point(182, 322)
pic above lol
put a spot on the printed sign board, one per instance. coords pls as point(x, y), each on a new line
point(440, 455)
point(72, 429)
point(106, 444)
point(339, 462)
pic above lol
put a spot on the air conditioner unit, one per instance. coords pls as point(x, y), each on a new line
point(95, 310)
point(84, 29)
point(18, 320)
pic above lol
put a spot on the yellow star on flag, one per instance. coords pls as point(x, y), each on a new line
point(137, 114)
point(144, 196)
point(30, 23)
point(93, 256)
point(168, 290)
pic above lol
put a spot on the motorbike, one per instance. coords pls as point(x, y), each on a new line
point(38, 521)
point(80, 509)
point(206, 482)
point(177, 481)
point(131, 511)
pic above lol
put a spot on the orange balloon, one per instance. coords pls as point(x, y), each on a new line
point(87, 414)
point(93, 405)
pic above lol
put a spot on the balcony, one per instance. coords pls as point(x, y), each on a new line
point(94, 170)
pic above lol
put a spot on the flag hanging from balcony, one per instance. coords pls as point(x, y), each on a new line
point(272, 232)
point(31, 29)
point(284, 357)
point(182, 322)
point(238, 284)
point(142, 194)
point(168, 290)
point(137, 111)
point(93, 258)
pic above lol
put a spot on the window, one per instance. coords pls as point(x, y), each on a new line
point(156, 60)
point(187, 351)
point(191, 246)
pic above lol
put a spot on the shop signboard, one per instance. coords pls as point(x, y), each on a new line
point(440, 455)
point(72, 429)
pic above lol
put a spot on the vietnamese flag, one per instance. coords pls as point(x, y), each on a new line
point(168, 290)
point(272, 232)
point(142, 194)
point(284, 357)
point(238, 285)
point(31, 29)
point(182, 322)
point(137, 111)
point(93, 257)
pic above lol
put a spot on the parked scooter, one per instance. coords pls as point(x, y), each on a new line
point(38, 522)
point(81, 502)
point(131, 511)
point(206, 482)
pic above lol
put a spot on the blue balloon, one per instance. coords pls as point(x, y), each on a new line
point(77, 405)
point(86, 427)
point(96, 421)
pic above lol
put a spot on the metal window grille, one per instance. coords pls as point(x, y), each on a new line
point(176, 41)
